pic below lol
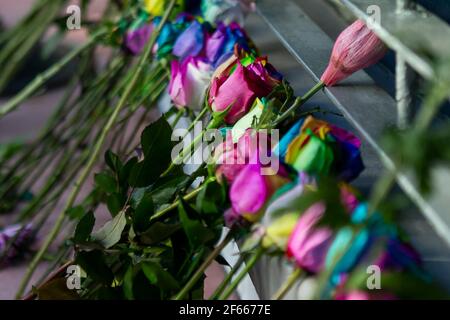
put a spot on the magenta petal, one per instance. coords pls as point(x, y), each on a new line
point(234, 92)
point(309, 244)
point(249, 192)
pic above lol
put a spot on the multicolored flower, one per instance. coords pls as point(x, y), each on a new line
point(189, 81)
point(253, 187)
point(220, 45)
point(319, 148)
point(232, 157)
point(308, 243)
point(191, 41)
point(136, 39)
point(226, 11)
point(238, 82)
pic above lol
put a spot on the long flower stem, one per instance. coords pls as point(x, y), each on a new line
point(299, 102)
point(178, 116)
point(44, 20)
point(90, 164)
point(174, 205)
point(285, 287)
point(180, 159)
point(197, 119)
point(201, 270)
point(249, 265)
point(227, 279)
point(46, 75)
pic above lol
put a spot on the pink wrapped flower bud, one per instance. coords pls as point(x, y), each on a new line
point(356, 48)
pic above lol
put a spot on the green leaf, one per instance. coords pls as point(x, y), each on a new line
point(158, 232)
point(93, 263)
point(115, 203)
point(143, 212)
point(75, 213)
point(113, 161)
point(157, 147)
point(159, 277)
point(165, 189)
point(56, 289)
point(84, 227)
point(211, 199)
point(125, 171)
point(105, 182)
point(196, 232)
point(111, 232)
point(128, 283)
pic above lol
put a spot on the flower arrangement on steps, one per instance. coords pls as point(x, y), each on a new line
point(164, 232)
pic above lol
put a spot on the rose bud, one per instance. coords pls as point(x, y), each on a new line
point(251, 189)
point(220, 45)
point(188, 82)
point(136, 39)
point(236, 85)
point(308, 243)
point(356, 48)
point(226, 10)
point(191, 42)
point(232, 157)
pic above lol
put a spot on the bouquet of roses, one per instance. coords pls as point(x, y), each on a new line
point(167, 226)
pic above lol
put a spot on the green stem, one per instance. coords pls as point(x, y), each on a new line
point(285, 287)
point(299, 102)
point(96, 150)
point(14, 61)
point(175, 205)
point(201, 270)
point(249, 265)
point(46, 75)
point(197, 119)
point(178, 116)
point(183, 156)
point(227, 279)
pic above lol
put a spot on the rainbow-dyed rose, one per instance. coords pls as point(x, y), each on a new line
point(319, 148)
point(220, 44)
point(189, 81)
point(191, 41)
point(253, 187)
point(308, 243)
point(136, 39)
point(226, 10)
point(238, 82)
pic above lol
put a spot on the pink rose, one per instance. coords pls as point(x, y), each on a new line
point(308, 244)
point(236, 86)
point(251, 190)
point(232, 157)
point(356, 48)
